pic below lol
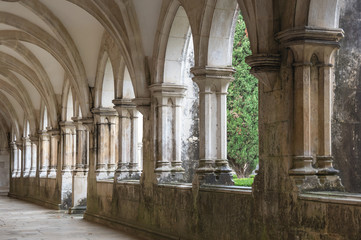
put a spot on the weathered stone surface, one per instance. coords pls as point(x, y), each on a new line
point(346, 125)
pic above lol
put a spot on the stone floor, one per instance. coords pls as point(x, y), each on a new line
point(22, 220)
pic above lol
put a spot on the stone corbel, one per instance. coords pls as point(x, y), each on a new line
point(266, 68)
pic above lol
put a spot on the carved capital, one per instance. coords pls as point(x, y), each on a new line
point(219, 77)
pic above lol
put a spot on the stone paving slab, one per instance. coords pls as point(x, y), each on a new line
point(22, 220)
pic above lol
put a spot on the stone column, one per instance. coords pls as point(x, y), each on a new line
point(44, 140)
point(14, 159)
point(326, 172)
point(167, 99)
point(127, 136)
point(113, 145)
point(34, 155)
point(80, 173)
point(148, 177)
point(54, 145)
point(27, 156)
point(67, 142)
point(213, 83)
point(311, 143)
point(102, 119)
point(19, 159)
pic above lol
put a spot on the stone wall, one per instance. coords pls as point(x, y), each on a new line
point(4, 171)
point(346, 128)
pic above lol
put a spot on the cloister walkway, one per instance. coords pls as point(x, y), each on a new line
point(22, 220)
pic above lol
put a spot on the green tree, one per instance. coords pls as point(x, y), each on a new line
point(242, 107)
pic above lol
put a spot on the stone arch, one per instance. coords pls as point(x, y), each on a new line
point(67, 102)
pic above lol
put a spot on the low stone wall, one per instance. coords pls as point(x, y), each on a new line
point(173, 211)
point(181, 212)
point(42, 191)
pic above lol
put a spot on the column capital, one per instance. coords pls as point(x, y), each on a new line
point(121, 104)
point(207, 77)
point(168, 90)
point(67, 127)
point(306, 41)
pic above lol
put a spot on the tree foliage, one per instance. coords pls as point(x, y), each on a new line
point(242, 107)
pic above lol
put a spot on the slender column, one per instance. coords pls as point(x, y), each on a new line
point(44, 158)
point(302, 119)
point(67, 129)
point(14, 159)
point(54, 144)
point(213, 84)
point(81, 147)
point(127, 168)
point(27, 156)
point(80, 173)
point(67, 150)
point(19, 159)
point(113, 145)
point(34, 155)
point(133, 163)
point(166, 100)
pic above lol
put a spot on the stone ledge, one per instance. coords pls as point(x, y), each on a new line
point(128, 182)
point(332, 197)
point(175, 185)
point(128, 227)
point(226, 189)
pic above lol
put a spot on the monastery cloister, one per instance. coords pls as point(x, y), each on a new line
point(117, 109)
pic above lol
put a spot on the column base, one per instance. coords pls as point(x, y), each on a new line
point(331, 183)
point(215, 178)
point(302, 165)
point(111, 171)
point(307, 182)
point(52, 173)
point(43, 173)
point(127, 175)
point(101, 174)
point(32, 173)
point(169, 177)
point(26, 174)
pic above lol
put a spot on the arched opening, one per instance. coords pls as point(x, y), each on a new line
point(242, 111)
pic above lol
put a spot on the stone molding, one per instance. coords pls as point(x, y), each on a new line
point(310, 35)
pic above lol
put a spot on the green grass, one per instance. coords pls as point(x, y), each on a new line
point(245, 182)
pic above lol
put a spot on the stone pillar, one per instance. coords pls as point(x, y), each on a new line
point(34, 155)
point(312, 140)
point(27, 156)
point(54, 146)
point(80, 173)
point(148, 177)
point(105, 137)
point(67, 142)
point(20, 158)
point(14, 159)
point(44, 140)
point(127, 138)
point(167, 104)
point(213, 83)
